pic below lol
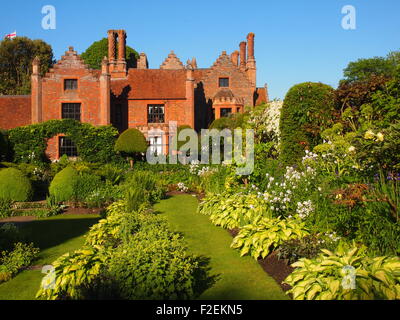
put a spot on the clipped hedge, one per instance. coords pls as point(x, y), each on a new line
point(94, 144)
point(64, 184)
point(14, 185)
point(307, 110)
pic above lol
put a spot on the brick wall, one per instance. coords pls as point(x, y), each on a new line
point(15, 111)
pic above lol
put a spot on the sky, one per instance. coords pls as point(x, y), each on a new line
point(296, 40)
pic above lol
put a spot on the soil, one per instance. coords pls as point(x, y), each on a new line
point(277, 268)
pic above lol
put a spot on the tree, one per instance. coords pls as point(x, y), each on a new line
point(307, 110)
point(363, 69)
point(94, 55)
point(131, 143)
point(16, 56)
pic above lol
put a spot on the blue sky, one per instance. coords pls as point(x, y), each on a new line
point(296, 40)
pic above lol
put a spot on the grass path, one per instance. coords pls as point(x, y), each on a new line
point(54, 236)
point(239, 278)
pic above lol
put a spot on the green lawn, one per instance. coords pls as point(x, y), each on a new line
point(54, 236)
point(238, 278)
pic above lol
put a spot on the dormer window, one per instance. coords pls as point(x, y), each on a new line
point(224, 82)
point(70, 84)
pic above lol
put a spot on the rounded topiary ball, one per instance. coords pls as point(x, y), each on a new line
point(63, 186)
point(131, 141)
point(14, 185)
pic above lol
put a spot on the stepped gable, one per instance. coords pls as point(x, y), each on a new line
point(156, 84)
point(72, 61)
point(172, 62)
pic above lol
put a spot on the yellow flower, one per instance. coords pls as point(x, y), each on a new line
point(352, 149)
point(380, 137)
point(369, 135)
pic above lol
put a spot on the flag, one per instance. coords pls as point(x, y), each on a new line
point(11, 35)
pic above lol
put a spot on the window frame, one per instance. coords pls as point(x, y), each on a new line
point(224, 112)
point(73, 81)
point(71, 114)
point(70, 150)
point(152, 116)
point(221, 85)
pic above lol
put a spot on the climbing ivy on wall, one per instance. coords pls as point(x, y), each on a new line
point(94, 144)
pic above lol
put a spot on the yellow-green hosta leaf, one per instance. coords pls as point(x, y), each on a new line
point(313, 291)
point(334, 286)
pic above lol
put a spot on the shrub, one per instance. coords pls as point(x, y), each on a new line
point(307, 110)
point(128, 255)
point(14, 185)
point(9, 234)
point(131, 143)
point(12, 262)
point(5, 208)
point(155, 266)
point(86, 184)
point(4, 146)
point(346, 274)
point(63, 186)
point(265, 234)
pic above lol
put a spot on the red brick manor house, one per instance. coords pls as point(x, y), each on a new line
point(143, 98)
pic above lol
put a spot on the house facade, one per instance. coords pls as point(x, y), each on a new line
point(140, 97)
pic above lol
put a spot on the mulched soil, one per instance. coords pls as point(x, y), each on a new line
point(278, 269)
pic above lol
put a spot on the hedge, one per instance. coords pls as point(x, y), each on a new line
point(94, 144)
point(307, 110)
point(14, 185)
point(64, 184)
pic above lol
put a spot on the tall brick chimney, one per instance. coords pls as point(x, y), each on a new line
point(243, 59)
point(117, 64)
point(235, 58)
point(105, 108)
point(190, 96)
point(36, 92)
point(111, 46)
point(251, 61)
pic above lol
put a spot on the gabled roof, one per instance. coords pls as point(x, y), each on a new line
point(156, 84)
point(172, 62)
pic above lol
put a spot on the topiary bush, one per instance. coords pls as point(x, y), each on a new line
point(63, 186)
point(308, 109)
point(14, 185)
point(131, 143)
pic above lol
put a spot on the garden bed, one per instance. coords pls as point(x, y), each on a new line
point(277, 268)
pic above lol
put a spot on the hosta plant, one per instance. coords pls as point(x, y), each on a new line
point(260, 238)
point(346, 274)
point(235, 211)
point(72, 274)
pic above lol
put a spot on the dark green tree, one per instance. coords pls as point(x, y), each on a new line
point(308, 110)
point(16, 58)
point(94, 55)
point(363, 69)
point(131, 143)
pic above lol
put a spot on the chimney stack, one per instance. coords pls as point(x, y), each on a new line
point(243, 55)
point(235, 58)
point(250, 43)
